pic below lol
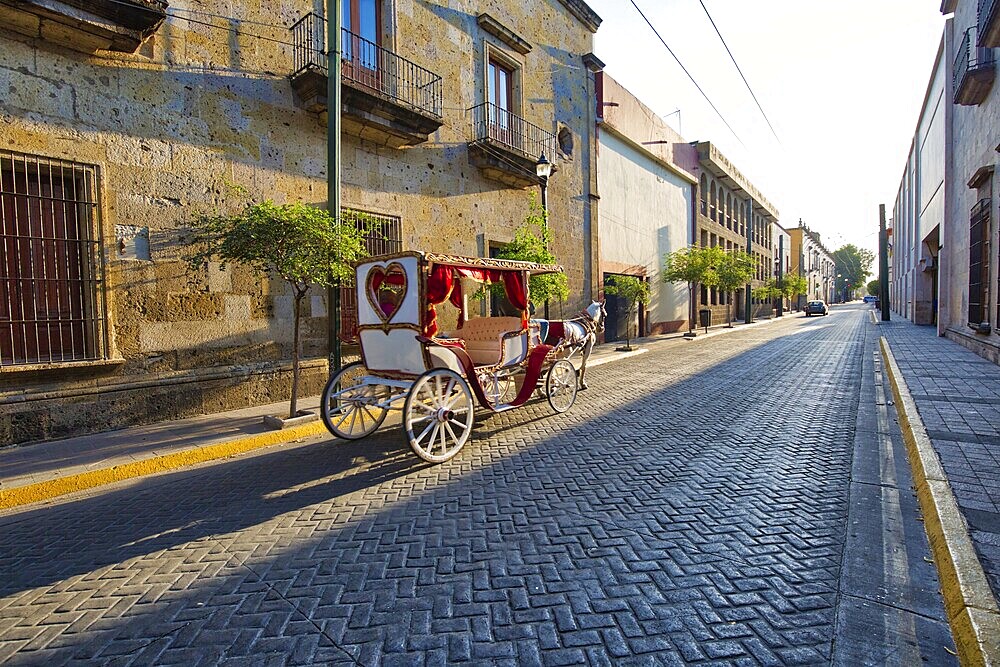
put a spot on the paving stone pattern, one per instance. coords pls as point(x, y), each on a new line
point(690, 508)
point(957, 394)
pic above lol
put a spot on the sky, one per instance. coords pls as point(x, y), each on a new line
point(842, 83)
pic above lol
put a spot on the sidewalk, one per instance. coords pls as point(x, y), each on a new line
point(956, 396)
point(44, 470)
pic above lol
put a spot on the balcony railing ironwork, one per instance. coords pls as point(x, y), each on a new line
point(497, 125)
point(986, 15)
point(971, 61)
point(368, 65)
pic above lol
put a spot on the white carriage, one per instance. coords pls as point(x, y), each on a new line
point(431, 376)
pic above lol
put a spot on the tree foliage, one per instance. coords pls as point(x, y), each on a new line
point(793, 285)
point(734, 270)
point(854, 265)
point(873, 287)
point(531, 244)
point(769, 291)
point(693, 265)
point(302, 245)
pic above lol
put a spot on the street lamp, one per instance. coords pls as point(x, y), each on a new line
point(543, 169)
point(835, 289)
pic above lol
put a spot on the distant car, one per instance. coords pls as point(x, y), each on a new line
point(870, 299)
point(816, 308)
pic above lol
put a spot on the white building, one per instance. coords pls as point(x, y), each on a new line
point(645, 177)
point(919, 210)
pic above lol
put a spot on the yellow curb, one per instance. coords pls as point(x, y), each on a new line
point(33, 493)
point(968, 601)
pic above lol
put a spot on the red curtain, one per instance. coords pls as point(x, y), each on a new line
point(440, 284)
point(515, 284)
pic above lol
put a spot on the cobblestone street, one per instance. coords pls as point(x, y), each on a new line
point(740, 499)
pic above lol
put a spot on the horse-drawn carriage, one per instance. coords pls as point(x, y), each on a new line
point(408, 364)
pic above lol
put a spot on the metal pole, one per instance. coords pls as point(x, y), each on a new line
point(545, 227)
point(883, 264)
point(748, 316)
point(334, 13)
point(781, 274)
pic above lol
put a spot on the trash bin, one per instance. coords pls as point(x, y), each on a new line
point(705, 318)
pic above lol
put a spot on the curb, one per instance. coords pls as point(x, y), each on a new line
point(968, 601)
point(60, 486)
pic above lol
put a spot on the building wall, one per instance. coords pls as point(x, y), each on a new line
point(918, 212)
point(723, 220)
point(811, 260)
point(646, 201)
point(198, 113)
point(973, 138)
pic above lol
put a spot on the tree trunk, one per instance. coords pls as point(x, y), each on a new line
point(293, 409)
point(691, 301)
point(729, 310)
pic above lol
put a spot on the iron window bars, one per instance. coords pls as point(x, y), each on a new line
point(979, 224)
point(52, 290)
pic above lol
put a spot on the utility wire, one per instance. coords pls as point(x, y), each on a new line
point(671, 52)
point(733, 58)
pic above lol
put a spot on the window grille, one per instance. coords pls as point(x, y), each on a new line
point(385, 237)
point(52, 291)
point(979, 224)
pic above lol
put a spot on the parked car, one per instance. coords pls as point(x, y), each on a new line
point(816, 308)
point(870, 298)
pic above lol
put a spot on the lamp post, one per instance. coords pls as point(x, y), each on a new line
point(543, 169)
point(835, 288)
point(333, 69)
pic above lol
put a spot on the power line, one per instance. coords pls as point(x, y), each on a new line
point(703, 94)
point(733, 58)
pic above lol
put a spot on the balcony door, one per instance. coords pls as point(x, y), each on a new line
point(361, 41)
point(499, 94)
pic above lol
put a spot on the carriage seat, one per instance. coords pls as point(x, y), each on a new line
point(484, 341)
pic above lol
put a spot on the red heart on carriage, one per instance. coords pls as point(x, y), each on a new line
point(386, 290)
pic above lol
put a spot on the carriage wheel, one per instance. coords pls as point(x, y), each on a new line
point(438, 415)
point(499, 389)
point(560, 385)
point(348, 407)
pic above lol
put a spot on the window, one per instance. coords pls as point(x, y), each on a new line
point(703, 187)
point(714, 202)
point(51, 261)
point(504, 124)
point(362, 18)
point(979, 267)
point(360, 41)
point(387, 239)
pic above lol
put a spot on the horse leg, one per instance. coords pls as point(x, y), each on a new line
point(588, 347)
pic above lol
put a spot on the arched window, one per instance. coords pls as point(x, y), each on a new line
point(714, 202)
point(703, 186)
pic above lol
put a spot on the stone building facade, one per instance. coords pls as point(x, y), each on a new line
point(811, 260)
point(647, 186)
point(121, 121)
point(724, 219)
point(969, 258)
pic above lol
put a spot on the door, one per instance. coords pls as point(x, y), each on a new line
point(360, 43)
point(499, 94)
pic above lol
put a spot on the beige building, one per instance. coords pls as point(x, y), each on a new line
point(811, 260)
point(122, 120)
point(730, 211)
point(647, 185)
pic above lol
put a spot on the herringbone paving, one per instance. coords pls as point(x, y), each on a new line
point(690, 508)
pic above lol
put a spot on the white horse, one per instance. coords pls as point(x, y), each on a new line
point(579, 334)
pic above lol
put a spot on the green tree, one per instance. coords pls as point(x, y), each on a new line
point(302, 245)
point(633, 291)
point(531, 244)
point(769, 291)
point(853, 265)
point(695, 266)
point(792, 285)
point(734, 270)
point(873, 287)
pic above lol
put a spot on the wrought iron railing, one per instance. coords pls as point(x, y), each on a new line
point(986, 14)
point(970, 57)
point(367, 64)
point(979, 229)
point(499, 126)
point(52, 289)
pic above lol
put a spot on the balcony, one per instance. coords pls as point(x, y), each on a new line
point(989, 23)
point(86, 25)
point(385, 98)
point(505, 147)
point(974, 71)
